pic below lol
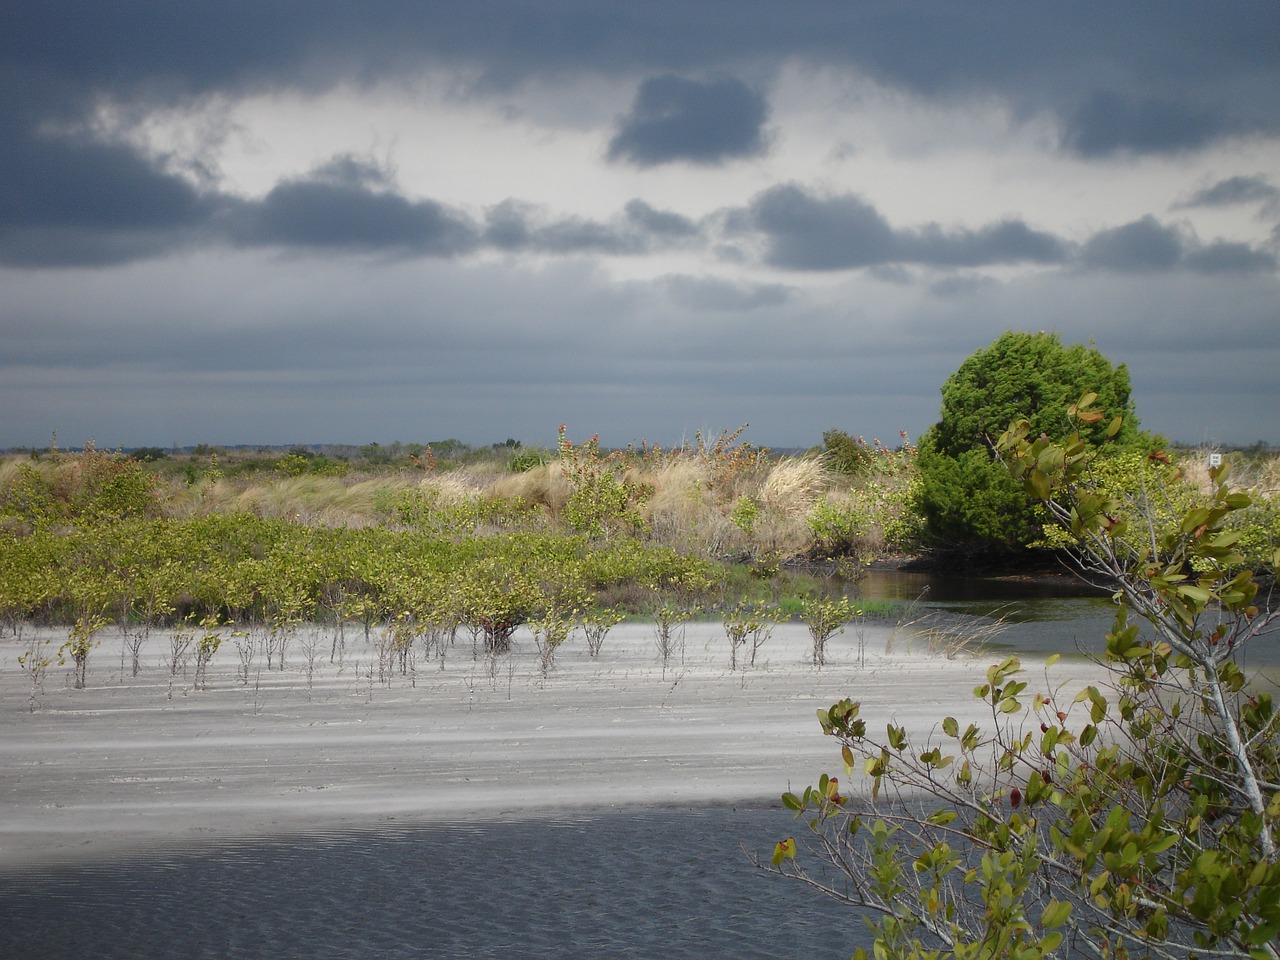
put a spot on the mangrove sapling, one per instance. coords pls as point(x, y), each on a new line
point(765, 618)
point(79, 643)
point(825, 617)
point(437, 640)
point(367, 612)
point(205, 648)
point(131, 642)
point(404, 633)
point(246, 649)
point(596, 624)
point(669, 617)
point(180, 641)
point(747, 622)
point(335, 599)
point(310, 644)
point(549, 632)
point(35, 662)
point(737, 626)
point(279, 635)
point(383, 647)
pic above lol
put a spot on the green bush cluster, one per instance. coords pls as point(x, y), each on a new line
point(91, 487)
point(245, 569)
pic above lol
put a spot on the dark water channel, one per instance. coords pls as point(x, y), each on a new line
point(1038, 616)
point(659, 884)
point(1034, 615)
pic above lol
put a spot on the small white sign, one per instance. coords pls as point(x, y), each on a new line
point(1215, 459)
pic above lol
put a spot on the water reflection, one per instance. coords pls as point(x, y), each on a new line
point(1040, 615)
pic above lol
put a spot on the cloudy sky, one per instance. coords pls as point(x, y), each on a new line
point(251, 221)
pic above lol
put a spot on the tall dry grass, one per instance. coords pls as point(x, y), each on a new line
point(706, 501)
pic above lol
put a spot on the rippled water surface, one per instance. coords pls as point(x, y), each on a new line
point(671, 884)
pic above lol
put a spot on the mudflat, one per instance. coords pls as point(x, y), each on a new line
point(151, 759)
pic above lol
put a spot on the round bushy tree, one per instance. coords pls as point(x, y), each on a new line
point(968, 500)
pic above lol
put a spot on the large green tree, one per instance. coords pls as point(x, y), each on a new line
point(968, 500)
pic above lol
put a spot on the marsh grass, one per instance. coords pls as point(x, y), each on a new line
point(944, 633)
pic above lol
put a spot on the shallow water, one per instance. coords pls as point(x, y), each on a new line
point(1039, 616)
point(657, 884)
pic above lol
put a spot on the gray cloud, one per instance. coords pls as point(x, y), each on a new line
point(1112, 122)
point(70, 200)
point(660, 222)
point(516, 226)
point(1168, 75)
point(1009, 241)
point(1146, 245)
point(1235, 190)
point(230, 343)
point(326, 214)
point(1224, 257)
point(1142, 245)
point(805, 231)
point(709, 293)
point(675, 119)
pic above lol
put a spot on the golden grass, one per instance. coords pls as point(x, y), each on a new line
point(794, 486)
point(717, 505)
point(545, 486)
point(328, 501)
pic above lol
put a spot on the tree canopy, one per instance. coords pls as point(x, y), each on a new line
point(967, 498)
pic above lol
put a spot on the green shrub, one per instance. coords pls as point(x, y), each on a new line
point(525, 460)
point(838, 526)
point(966, 498)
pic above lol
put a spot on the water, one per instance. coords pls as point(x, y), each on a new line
point(660, 884)
point(1039, 617)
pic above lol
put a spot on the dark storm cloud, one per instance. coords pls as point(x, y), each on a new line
point(805, 231)
point(1148, 246)
point(1010, 241)
point(1234, 190)
point(349, 203)
point(1142, 245)
point(1112, 122)
point(1157, 75)
point(67, 199)
point(675, 119)
point(319, 214)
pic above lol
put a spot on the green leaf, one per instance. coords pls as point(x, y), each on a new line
point(1195, 594)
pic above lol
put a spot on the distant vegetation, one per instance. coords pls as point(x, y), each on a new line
point(507, 534)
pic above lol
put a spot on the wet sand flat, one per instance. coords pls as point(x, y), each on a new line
point(142, 760)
